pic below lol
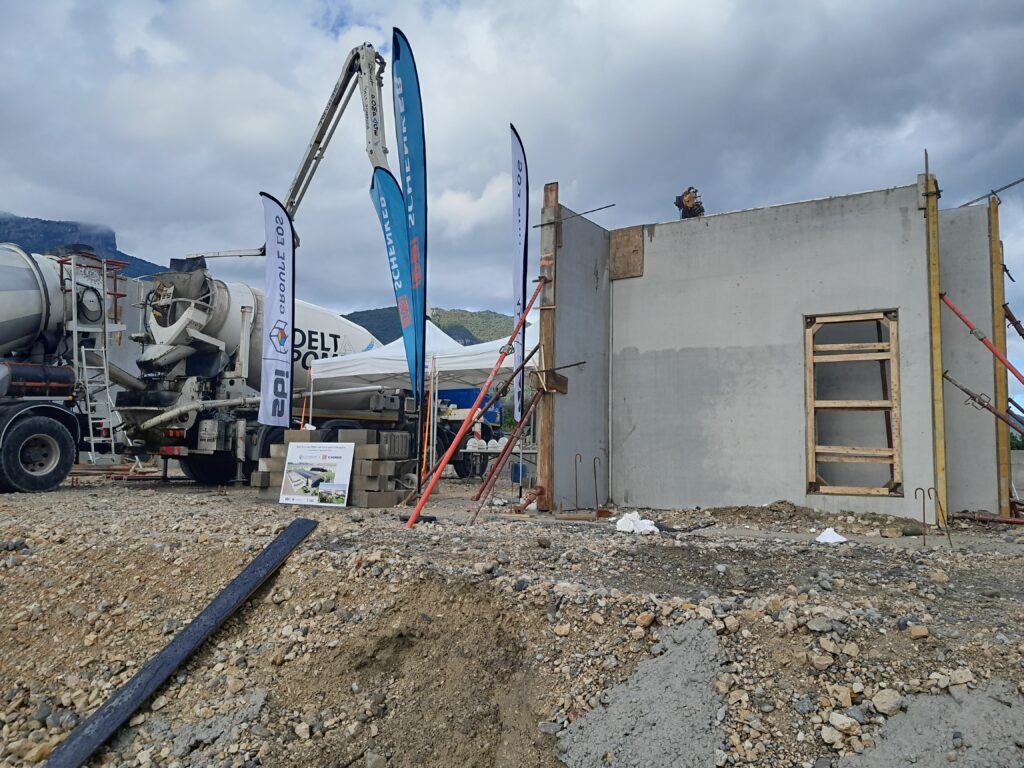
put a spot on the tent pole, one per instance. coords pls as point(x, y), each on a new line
point(437, 404)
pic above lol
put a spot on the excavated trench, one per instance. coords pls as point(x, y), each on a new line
point(441, 676)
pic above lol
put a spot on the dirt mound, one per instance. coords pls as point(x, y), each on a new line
point(448, 644)
point(445, 680)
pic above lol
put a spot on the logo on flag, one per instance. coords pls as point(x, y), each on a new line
point(279, 336)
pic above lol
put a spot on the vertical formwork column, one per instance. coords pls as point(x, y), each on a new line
point(934, 315)
point(549, 234)
point(999, 339)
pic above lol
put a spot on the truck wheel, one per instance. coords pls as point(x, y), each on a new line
point(330, 428)
point(209, 470)
point(36, 455)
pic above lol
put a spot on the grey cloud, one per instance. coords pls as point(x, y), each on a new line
point(149, 117)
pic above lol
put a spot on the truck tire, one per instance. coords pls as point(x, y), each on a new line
point(330, 428)
point(209, 470)
point(36, 455)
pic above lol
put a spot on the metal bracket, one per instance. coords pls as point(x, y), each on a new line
point(978, 402)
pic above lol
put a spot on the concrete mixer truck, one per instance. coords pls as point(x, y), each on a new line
point(200, 371)
point(195, 396)
point(62, 318)
point(202, 361)
point(73, 376)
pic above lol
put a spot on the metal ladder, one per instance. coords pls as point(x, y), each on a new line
point(101, 417)
point(92, 367)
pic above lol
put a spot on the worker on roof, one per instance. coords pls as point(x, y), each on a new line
point(689, 204)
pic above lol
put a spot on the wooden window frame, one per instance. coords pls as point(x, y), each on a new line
point(837, 354)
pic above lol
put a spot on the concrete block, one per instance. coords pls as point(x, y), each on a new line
point(373, 483)
point(278, 450)
point(395, 445)
point(357, 436)
point(369, 467)
point(270, 493)
point(275, 479)
point(271, 465)
point(303, 435)
point(368, 452)
point(259, 479)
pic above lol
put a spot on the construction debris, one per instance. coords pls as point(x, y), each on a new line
point(631, 522)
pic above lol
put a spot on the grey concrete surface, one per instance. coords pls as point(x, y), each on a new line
point(581, 335)
point(981, 728)
point(707, 380)
point(663, 716)
point(966, 275)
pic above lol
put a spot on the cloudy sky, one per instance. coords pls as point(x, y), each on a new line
point(165, 119)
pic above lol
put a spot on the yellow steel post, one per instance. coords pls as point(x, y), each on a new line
point(549, 241)
point(934, 305)
point(999, 339)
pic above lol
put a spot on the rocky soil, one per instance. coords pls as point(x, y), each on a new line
point(489, 645)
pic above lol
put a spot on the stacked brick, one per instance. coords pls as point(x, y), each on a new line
point(382, 459)
point(271, 471)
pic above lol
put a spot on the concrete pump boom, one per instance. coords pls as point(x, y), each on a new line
point(363, 69)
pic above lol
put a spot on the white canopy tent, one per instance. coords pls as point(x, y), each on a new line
point(386, 366)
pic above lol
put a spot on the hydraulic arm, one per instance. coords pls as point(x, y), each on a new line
point(363, 69)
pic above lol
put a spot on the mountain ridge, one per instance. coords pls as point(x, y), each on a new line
point(46, 235)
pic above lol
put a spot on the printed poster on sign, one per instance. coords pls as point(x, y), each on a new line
point(318, 474)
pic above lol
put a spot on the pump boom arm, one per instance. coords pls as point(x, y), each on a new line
point(363, 69)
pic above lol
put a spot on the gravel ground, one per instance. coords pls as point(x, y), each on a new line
point(478, 646)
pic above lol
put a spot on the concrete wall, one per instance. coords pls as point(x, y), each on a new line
point(582, 300)
point(1017, 468)
point(966, 275)
point(707, 372)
